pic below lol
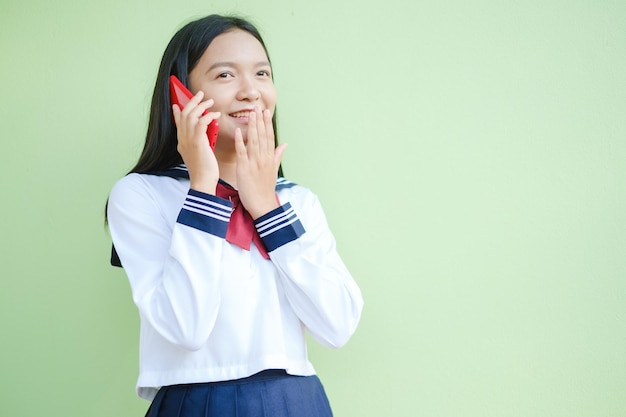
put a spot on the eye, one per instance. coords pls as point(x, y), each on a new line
point(264, 73)
point(224, 75)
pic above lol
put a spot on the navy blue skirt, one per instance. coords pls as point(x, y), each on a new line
point(272, 393)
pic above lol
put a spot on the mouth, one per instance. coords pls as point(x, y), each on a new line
point(241, 114)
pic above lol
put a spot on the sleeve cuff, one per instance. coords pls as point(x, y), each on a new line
point(206, 212)
point(279, 226)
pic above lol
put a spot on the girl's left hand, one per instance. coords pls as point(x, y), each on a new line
point(257, 164)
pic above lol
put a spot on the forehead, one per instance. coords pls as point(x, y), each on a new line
point(236, 46)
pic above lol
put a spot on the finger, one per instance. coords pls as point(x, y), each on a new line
point(240, 147)
point(253, 135)
point(197, 98)
point(176, 112)
point(194, 101)
point(260, 125)
point(199, 110)
point(278, 154)
point(204, 123)
point(204, 105)
point(209, 117)
point(269, 130)
point(194, 109)
point(179, 121)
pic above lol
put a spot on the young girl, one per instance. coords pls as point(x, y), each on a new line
point(228, 265)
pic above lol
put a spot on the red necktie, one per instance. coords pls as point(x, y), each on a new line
point(241, 230)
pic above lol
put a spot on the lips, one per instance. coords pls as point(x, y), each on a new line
point(241, 114)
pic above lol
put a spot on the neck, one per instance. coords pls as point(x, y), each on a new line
point(227, 163)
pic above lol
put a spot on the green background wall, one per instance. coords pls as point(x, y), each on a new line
point(470, 157)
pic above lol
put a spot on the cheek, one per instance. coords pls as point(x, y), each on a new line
point(220, 101)
point(270, 98)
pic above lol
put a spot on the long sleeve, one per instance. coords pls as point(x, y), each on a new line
point(173, 266)
point(316, 282)
point(214, 311)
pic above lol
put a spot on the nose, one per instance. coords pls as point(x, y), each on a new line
point(248, 91)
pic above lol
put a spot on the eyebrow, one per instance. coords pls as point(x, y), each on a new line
point(232, 65)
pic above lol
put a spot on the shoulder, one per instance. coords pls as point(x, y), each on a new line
point(299, 196)
point(284, 187)
point(129, 184)
point(141, 186)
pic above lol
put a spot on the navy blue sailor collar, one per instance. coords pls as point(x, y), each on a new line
point(180, 171)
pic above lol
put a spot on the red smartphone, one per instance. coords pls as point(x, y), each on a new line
point(181, 95)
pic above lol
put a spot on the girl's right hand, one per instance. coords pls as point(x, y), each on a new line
point(193, 144)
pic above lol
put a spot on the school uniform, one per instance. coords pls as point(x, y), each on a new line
point(229, 318)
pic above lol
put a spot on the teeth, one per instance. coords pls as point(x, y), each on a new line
point(241, 114)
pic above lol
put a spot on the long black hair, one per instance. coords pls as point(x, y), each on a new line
point(180, 57)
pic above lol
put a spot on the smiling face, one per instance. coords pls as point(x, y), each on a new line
point(235, 72)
